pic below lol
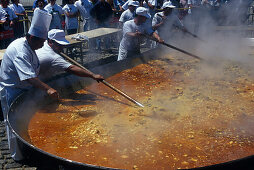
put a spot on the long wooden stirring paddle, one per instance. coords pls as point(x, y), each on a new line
point(185, 30)
point(173, 47)
point(103, 81)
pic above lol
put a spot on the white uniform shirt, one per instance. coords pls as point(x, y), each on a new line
point(56, 11)
point(84, 7)
point(71, 23)
point(130, 43)
point(170, 21)
point(19, 63)
point(51, 63)
point(11, 13)
point(126, 16)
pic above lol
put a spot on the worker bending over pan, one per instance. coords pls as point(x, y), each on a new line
point(19, 70)
point(52, 63)
point(164, 22)
point(133, 34)
point(129, 14)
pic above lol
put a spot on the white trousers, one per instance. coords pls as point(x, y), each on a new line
point(7, 97)
point(122, 54)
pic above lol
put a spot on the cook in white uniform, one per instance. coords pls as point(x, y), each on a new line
point(51, 63)
point(19, 70)
point(164, 22)
point(132, 34)
point(56, 11)
point(129, 13)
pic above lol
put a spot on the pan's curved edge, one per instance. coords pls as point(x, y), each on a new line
point(246, 163)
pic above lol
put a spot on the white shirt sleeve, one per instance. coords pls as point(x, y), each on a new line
point(156, 19)
point(122, 17)
point(126, 28)
point(59, 64)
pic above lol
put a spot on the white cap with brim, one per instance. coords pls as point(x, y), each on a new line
point(40, 24)
point(133, 3)
point(143, 12)
point(58, 36)
point(168, 5)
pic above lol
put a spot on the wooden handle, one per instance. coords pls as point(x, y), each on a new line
point(183, 51)
point(171, 46)
point(103, 81)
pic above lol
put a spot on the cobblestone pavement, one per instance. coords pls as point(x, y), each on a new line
point(6, 162)
point(5, 158)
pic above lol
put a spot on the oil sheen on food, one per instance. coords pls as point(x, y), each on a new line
point(189, 120)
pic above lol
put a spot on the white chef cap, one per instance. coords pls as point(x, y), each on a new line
point(40, 24)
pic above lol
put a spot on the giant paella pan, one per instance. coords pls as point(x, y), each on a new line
point(192, 117)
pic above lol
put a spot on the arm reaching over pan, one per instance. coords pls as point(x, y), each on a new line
point(133, 32)
point(52, 63)
point(83, 73)
point(39, 84)
point(157, 37)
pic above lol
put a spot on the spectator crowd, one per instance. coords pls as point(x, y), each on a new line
point(114, 13)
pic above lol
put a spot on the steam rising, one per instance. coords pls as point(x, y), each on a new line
point(217, 45)
point(191, 115)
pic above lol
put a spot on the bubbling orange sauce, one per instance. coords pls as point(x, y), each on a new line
point(189, 120)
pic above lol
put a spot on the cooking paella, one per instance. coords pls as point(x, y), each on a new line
point(190, 119)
